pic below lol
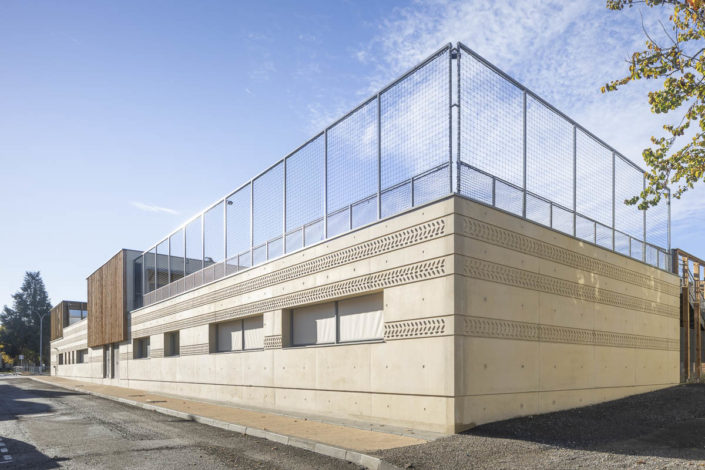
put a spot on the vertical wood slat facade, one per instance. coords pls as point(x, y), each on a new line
point(57, 321)
point(107, 303)
point(59, 315)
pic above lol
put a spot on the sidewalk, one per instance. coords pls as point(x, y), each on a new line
point(335, 440)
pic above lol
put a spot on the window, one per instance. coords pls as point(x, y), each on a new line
point(171, 344)
point(356, 319)
point(239, 335)
point(162, 264)
point(194, 246)
point(106, 361)
point(76, 315)
point(176, 256)
point(61, 359)
point(81, 356)
point(140, 348)
point(314, 324)
point(150, 270)
point(253, 332)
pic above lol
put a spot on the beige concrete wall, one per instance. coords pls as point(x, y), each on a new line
point(486, 316)
point(74, 339)
point(551, 322)
point(406, 379)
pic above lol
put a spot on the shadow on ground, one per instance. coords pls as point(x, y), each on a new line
point(26, 456)
point(16, 402)
point(664, 423)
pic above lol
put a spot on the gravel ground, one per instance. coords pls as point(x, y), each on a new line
point(662, 429)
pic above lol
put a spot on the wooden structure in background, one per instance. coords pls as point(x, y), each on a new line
point(107, 302)
point(692, 302)
point(60, 316)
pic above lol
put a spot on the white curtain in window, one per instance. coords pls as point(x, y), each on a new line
point(254, 332)
point(361, 318)
point(229, 336)
point(314, 324)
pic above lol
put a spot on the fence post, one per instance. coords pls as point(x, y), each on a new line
point(457, 157)
point(325, 184)
point(523, 213)
point(284, 209)
point(451, 53)
point(614, 197)
point(575, 181)
point(252, 223)
point(685, 316)
point(643, 250)
point(379, 157)
point(696, 319)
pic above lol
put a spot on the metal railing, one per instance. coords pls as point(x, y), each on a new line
point(454, 124)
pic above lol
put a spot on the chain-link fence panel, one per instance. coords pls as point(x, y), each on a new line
point(415, 130)
point(549, 153)
point(353, 158)
point(268, 208)
point(305, 181)
point(593, 169)
point(491, 121)
point(238, 228)
point(657, 224)
point(628, 183)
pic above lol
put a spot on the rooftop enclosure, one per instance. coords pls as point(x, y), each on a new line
point(65, 313)
point(454, 124)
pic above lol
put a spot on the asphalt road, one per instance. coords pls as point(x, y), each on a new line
point(42, 427)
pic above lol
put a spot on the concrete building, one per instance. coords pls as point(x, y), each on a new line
point(392, 270)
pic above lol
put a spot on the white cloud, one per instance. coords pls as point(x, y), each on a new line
point(263, 71)
point(563, 51)
point(152, 208)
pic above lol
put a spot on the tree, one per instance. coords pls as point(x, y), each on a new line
point(20, 324)
point(680, 65)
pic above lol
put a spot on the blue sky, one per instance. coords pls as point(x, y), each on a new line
point(120, 120)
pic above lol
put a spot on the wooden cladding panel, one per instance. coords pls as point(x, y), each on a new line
point(107, 303)
point(57, 321)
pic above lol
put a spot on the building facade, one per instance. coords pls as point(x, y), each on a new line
point(386, 272)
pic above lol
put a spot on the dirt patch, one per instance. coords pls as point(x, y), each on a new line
point(662, 429)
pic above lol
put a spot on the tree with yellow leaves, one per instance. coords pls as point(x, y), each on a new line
point(672, 158)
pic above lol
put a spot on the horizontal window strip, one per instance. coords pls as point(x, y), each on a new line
point(363, 284)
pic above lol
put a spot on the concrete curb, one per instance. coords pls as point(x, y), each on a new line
point(358, 458)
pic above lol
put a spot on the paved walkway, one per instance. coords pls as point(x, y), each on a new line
point(335, 435)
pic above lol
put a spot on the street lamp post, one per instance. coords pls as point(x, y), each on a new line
point(41, 338)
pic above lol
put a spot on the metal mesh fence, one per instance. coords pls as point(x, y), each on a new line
point(629, 182)
point(593, 170)
point(353, 151)
point(549, 153)
point(453, 124)
point(305, 176)
point(415, 133)
point(238, 229)
point(268, 206)
point(491, 118)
